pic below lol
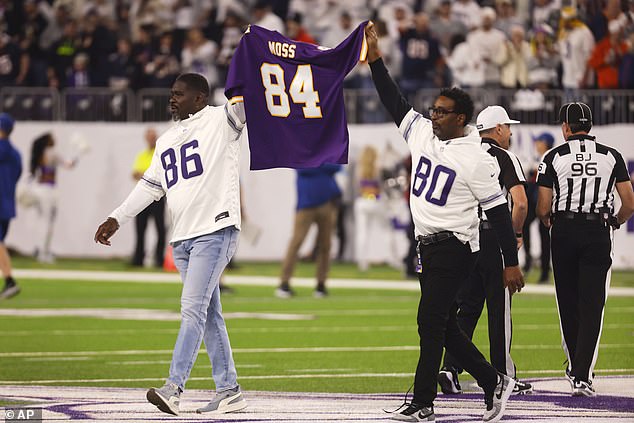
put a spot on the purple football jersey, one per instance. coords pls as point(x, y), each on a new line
point(293, 97)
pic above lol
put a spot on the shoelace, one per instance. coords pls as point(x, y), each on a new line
point(405, 402)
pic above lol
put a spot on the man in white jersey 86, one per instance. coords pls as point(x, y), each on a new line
point(195, 166)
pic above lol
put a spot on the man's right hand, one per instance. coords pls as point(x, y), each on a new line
point(372, 39)
point(106, 230)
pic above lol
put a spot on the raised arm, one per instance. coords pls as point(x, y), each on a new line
point(389, 93)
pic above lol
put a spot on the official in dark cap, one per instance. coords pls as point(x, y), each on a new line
point(542, 143)
point(576, 182)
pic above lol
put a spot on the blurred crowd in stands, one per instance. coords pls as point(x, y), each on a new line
point(121, 44)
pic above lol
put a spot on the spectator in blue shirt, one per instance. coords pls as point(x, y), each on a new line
point(10, 171)
point(317, 198)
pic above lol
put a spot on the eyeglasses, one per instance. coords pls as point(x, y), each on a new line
point(439, 111)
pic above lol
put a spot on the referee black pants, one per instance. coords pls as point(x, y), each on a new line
point(582, 258)
point(446, 266)
point(486, 283)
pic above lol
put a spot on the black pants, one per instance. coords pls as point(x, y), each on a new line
point(486, 283)
point(446, 265)
point(156, 211)
point(581, 265)
point(544, 236)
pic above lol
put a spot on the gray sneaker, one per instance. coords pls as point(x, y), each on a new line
point(9, 291)
point(496, 401)
point(225, 402)
point(166, 398)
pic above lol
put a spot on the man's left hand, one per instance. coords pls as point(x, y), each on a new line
point(513, 279)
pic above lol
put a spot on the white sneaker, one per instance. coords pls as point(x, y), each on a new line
point(581, 388)
point(496, 403)
point(415, 413)
point(9, 291)
point(166, 398)
point(284, 292)
point(227, 401)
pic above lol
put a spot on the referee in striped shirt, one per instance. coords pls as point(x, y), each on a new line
point(575, 200)
point(484, 283)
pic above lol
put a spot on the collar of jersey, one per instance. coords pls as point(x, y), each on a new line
point(193, 117)
point(581, 137)
point(471, 136)
point(490, 141)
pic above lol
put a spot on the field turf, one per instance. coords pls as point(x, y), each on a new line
point(356, 340)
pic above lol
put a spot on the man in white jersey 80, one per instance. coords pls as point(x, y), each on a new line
point(451, 175)
point(195, 166)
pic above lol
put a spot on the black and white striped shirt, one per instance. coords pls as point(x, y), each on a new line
point(511, 172)
point(582, 174)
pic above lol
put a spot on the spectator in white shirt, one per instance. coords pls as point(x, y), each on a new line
point(488, 41)
point(466, 11)
point(199, 56)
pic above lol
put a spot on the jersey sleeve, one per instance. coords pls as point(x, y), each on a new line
point(513, 174)
point(148, 189)
point(353, 49)
point(484, 183)
point(620, 169)
point(545, 171)
point(415, 123)
point(151, 179)
point(236, 117)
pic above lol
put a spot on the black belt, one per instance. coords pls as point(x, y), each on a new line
point(485, 224)
point(576, 216)
point(435, 238)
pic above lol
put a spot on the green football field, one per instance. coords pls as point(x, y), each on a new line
point(356, 340)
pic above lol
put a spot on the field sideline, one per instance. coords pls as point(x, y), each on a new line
point(116, 330)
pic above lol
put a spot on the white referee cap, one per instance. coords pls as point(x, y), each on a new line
point(493, 116)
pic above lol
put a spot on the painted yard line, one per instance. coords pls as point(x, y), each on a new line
point(254, 377)
point(258, 377)
point(277, 350)
point(148, 362)
point(167, 315)
point(560, 371)
point(296, 329)
point(137, 314)
point(272, 281)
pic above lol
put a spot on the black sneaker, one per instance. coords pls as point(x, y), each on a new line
point(415, 413)
point(522, 388)
point(448, 381)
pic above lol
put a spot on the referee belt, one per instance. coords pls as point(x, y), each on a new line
point(434, 238)
point(568, 215)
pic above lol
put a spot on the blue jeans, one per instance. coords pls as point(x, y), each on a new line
point(200, 262)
